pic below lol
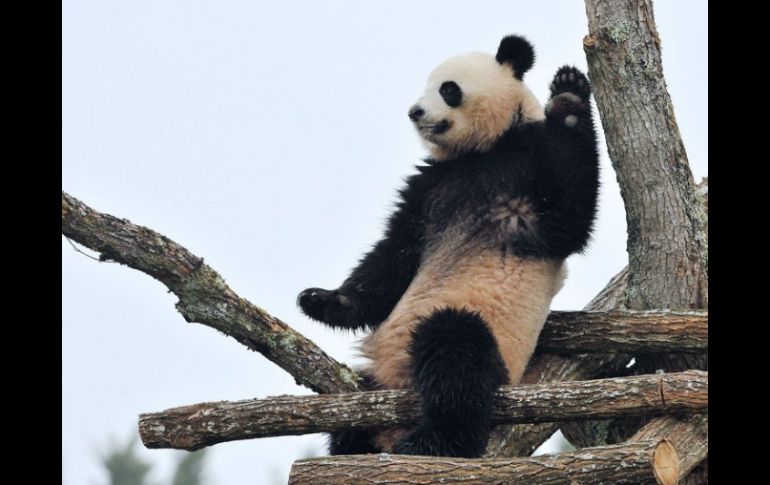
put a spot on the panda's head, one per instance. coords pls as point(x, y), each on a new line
point(472, 99)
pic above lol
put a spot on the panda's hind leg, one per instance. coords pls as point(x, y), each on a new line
point(457, 368)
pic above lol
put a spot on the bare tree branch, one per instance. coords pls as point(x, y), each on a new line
point(203, 295)
point(200, 425)
point(199, 286)
point(646, 462)
point(205, 298)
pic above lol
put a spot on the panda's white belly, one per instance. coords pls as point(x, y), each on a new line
point(512, 294)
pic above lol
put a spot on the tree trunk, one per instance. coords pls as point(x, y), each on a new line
point(667, 242)
point(667, 248)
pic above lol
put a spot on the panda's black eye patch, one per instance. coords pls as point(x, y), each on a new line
point(451, 93)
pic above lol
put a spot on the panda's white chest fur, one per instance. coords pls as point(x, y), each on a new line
point(511, 293)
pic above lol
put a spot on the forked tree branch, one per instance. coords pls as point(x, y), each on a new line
point(204, 297)
point(200, 425)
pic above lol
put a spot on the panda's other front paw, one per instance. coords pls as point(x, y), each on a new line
point(327, 306)
point(569, 79)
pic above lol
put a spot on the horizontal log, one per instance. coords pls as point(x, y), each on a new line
point(646, 462)
point(651, 331)
point(200, 425)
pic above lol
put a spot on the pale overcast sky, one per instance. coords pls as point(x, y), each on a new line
point(270, 138)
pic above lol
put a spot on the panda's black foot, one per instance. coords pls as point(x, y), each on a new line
point(351, 442)
point(570, 92)
point(427, 440)
point(329, 306)
point(570, 80)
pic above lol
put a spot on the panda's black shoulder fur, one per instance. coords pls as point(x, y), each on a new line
point(557, 179)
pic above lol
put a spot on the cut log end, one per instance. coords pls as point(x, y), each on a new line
point(665, 463)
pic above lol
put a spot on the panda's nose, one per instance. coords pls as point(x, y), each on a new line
point(416, 113)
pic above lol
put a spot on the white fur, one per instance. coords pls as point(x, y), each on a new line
point(491, 103)
point(512, 294)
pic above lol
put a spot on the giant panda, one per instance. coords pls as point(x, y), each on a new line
point(456, 292)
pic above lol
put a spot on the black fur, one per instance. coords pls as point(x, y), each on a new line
point(375, 286)
point(352, 442)
point(451, 93)
point(551, 166)
point(547, 173)
point(518, 52)
point(457, 368)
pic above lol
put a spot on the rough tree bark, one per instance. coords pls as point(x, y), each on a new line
point(691, 434)
point(598, 433)
point(666, 239)
point(200, 425)
point(652, 461)
point(663, 212)
point(667, 243)
point(203, 295)
point(651, 331)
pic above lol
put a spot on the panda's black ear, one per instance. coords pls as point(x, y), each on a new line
point(518, 52)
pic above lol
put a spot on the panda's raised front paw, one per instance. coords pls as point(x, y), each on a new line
point(570, 91)
point(328, 306)
point(569, 79)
